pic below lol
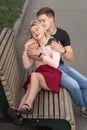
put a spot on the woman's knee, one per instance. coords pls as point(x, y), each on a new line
point(34, 75)
point(37, 76)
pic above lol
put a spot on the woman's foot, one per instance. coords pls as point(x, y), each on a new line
point(15, 116)
point(25, 109)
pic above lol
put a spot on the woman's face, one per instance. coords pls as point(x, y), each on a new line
point(37, 32)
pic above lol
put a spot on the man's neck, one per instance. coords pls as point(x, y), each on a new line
point(52, 30)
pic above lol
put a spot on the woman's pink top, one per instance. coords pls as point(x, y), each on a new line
point(52, 58)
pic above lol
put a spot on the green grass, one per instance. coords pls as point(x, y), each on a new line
point(10, 10)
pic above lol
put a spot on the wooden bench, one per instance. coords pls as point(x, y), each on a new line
point(50, 109)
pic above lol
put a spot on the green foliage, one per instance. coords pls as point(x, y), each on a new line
point(10, 10)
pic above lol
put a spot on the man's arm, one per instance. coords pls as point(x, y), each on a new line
point(66, 51)
point(68, 55)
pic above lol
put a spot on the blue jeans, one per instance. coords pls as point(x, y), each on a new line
point(75, 83)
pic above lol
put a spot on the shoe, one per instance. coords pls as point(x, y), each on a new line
point(84, 113)
point(27, 110)
point(15, 116)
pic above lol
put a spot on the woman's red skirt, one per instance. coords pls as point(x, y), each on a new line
point(51, 75)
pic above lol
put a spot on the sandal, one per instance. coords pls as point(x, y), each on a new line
point(15, 116)
point(28, 110)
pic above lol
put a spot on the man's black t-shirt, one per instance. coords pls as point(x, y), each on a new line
point(62, 36)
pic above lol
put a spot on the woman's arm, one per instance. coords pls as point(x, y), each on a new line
point(27, 62)
point(53, 61)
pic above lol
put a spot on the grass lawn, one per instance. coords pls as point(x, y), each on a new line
point(10, 10)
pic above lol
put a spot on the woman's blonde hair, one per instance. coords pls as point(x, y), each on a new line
point(37, 23)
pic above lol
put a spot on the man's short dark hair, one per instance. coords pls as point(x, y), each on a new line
point(46, 10)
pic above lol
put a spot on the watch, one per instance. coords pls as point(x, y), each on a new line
point(64, 51)
point(40, 54)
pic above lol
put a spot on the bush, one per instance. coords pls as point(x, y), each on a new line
point(10, 10)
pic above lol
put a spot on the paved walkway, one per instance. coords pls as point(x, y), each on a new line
point(71, 16)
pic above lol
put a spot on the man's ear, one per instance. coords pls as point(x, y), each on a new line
point(52, 19)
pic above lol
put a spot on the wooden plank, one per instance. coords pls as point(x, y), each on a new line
point(56, 105)
point(46, 107)
point(72, 122)
point(2, 77)
point(8, 62)
point(36, 107)
point(6, 49)
point(14, 79)
point(51, 105)
point(7, 93)
point(5, 54)
point(5, 40)
point(41, 104)
point(67, 106)
point(61, 104)
point(3, 80)
point(2, 34)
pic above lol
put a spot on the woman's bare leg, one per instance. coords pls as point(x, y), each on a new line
point(37, 82)
point(24, 98)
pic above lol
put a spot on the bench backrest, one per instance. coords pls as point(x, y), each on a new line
point(11, 72)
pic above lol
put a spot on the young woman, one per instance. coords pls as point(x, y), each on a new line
point(46, 69)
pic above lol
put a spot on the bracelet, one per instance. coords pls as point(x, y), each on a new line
point(64, 51)
point(40, 54)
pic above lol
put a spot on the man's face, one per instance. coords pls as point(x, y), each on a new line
point(45, 21)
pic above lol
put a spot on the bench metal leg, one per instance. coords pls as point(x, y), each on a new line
point(55, 124)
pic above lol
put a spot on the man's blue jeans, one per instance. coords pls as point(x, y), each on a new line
point(75, 83)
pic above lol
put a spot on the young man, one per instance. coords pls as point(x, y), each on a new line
point(72, 80)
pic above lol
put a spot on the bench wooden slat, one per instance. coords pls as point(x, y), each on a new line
point(56, 105)
point(9, 59)
point(35, 108)
point(51, 105)
point(61, 104)
point(4, 31)
point(5, 40)
point(41, 103)
point(72, 122)
point(7, 92)
point(6, 50)
point(67, 108)
point(46, 107)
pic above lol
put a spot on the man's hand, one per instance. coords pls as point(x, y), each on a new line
point(57, 47)
point(68, 54)
point(33, 52)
